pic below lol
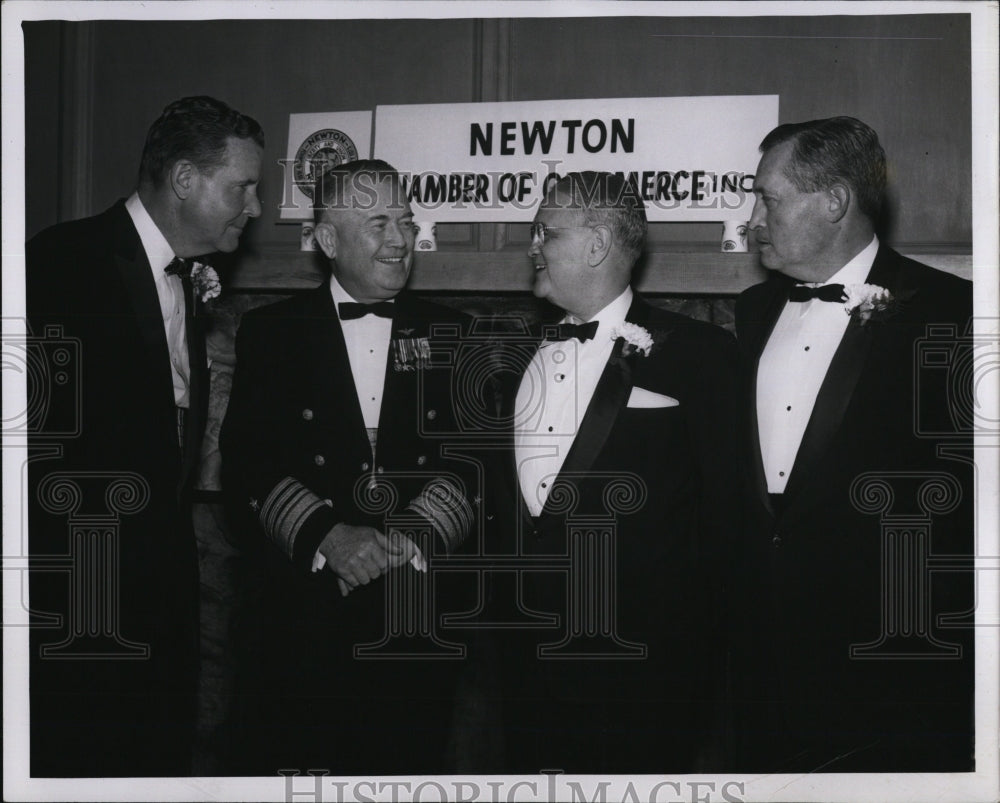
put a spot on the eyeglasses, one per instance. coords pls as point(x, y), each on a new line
point(539, 229)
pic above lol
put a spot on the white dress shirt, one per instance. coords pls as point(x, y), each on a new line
point(792, 368)
point(170, 291)
point(553, 397)
point(367, 342)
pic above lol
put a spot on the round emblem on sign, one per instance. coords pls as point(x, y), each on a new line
point(320, 152)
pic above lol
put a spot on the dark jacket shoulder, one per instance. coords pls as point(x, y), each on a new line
point(757, 296)
point(688, 327)
point(70, 267)
point(921, 275)
point(931, 293)
point(87, 234)
point(688, 338)
point(430, 311)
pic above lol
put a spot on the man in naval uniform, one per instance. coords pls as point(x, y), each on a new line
point(333, 425)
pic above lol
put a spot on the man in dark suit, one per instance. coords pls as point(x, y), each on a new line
point(331, 443)
point(115, 654)
point(620, 488)
point(847, 660)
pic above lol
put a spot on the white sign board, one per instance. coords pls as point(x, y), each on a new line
point(692, 158)
point(317, 142)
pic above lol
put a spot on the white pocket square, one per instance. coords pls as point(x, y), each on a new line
point(640, 397)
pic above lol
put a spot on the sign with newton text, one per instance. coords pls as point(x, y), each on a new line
point(692, 158)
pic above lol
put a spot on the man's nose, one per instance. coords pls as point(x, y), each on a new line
point(535, 248)
point(394, 234)
point(253, 207)
point(757, 216)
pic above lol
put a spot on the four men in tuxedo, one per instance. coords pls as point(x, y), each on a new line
point(855, 655)
point(114, 653)
point(621, 487)
point(334, 446)
point(619, 484)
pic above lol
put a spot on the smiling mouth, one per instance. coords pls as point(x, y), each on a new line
point(389, 260)
point(540, 266)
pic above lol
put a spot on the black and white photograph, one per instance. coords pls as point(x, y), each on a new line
point(501, 401)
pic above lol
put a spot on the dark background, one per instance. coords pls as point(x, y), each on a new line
point(93, 88)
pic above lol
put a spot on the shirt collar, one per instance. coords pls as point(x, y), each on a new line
point(340, 295)
point(856, 271)
point(158, 250)
point(609, 318)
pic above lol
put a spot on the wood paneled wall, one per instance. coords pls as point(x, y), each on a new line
point(94, 87)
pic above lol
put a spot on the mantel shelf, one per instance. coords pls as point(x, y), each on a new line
point(684, 268)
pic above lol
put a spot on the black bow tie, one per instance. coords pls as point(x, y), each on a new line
point(564, 331)
point(179, 267)
point(352, 310)
point(826, 292)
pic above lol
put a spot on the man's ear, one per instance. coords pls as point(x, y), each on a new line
point(182, 176)
point(839, 200)
point(600, 245)
point(326, 238)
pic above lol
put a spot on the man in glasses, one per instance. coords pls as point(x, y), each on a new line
point(623, 440)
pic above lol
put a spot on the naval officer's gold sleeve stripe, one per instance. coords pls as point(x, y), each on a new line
point(445, 506)
point(285, 510)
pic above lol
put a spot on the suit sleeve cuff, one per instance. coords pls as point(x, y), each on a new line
point(296, 520)
point(444, 505)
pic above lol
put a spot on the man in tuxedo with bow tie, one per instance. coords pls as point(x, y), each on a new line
point(620, 488)
point(845, 660)
point(113, 685)
point(338, 420)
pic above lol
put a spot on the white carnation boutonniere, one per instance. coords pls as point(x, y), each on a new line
point(636, 339)
point(205, 282)
point(869, 301)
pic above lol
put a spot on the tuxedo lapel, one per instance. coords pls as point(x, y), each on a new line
point(140, 289)
point(610, 396)
point(609, 399)
point(831, 404)
point(760, 328)
point(839, 383)
point(136, 276)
